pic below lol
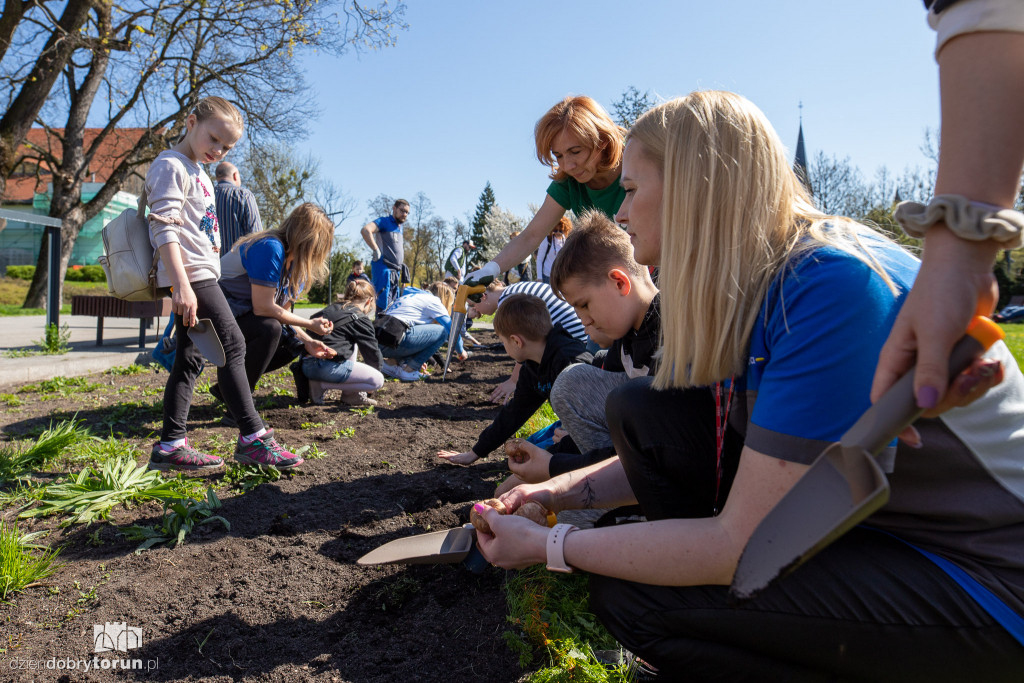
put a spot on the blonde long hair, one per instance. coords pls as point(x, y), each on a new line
point(307, 234)
point(442, 292)
point(734, 214)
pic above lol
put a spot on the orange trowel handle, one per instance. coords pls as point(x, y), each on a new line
point(462, 294)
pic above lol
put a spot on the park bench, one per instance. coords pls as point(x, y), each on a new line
point(109, 307)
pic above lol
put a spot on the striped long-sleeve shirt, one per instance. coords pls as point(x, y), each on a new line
point(237, 214)
point(561, 313)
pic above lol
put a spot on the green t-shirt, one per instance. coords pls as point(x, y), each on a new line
point(572, 195)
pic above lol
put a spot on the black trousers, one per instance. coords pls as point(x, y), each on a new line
point(867, 608)
point(264, 351)
point(188, 363)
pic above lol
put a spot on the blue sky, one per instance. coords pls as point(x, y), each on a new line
point(453, 105)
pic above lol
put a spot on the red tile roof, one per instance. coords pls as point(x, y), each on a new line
point(23, 184)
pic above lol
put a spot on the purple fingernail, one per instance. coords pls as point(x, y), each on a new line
point(969, 384)
point(927, 397)
point(988, 369)
point(480, 508)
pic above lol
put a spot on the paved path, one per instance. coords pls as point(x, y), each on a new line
point(120, 346)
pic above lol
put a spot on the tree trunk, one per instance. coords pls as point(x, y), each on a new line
point(17, 120)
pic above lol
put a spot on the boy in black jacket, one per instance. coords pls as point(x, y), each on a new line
point(524, 327)
point(615, 297)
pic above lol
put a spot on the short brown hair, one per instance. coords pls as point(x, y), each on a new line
point(596, 246)
point(523, 314)
point(495, 286)
point(401, 202)
point(589, 123)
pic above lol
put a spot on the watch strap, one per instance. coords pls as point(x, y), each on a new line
point(556, 548)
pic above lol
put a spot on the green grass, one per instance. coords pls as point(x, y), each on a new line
point(13, 291)
point(19, 566)
point(548, 613)
point(1015, 341)
point(18, 463)
point(539, 420)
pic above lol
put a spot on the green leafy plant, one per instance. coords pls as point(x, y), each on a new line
point(97, 451)
point(65, 386)
point(362, 412)
point(311, 452)
point(345, 433)
point(10, 400)
point(179, 519)
point(316, 425)
point(133, 369)
point(92, 494)
point(55, 340)
point(49, 445)
point(19, 567)
point(245, 478)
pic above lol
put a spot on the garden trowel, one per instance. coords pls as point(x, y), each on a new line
point(206, 340)
point(845, 484)
point(438, 547)
point(459, 317)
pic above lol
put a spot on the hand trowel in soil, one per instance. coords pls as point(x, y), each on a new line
point(459, 317)
point(845, 484)
point(438, 547)
point(206, 340)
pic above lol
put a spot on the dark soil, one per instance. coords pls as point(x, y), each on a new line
point(279, 596)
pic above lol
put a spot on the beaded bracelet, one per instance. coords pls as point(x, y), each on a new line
point(968, 220)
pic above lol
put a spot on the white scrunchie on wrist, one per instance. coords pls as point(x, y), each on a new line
point(967, 220)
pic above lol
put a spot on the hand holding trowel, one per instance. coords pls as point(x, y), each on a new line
point(452, 545)
point(459, 314)
point(845, 484)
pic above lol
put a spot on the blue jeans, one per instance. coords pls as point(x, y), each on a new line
point(386, 282)
point(326, 370)
point(419, 344)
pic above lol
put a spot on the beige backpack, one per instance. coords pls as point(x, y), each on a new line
point(129, 259)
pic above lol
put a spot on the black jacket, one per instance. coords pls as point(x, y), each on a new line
point(638, 347)
point(532, 389)
point(351, 328)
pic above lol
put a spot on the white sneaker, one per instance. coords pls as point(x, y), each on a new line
point(358, 399)
point(407, 375)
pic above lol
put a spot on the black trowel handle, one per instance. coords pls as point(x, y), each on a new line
point(897, 407)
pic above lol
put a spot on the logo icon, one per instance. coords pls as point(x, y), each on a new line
point(117, 636)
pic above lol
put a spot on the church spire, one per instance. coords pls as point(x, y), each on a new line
point(800, 160)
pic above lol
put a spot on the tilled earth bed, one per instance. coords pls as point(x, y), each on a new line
point(278, 597)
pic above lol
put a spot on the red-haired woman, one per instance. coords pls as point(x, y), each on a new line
point(582, 146)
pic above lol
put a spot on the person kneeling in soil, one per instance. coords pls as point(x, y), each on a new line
point(426, 315)
point(262, 275)
point(614, 297)
point(524, 327)
point(773, 315)
point(351, 329)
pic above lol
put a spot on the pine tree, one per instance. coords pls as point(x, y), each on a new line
point(483, 208)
